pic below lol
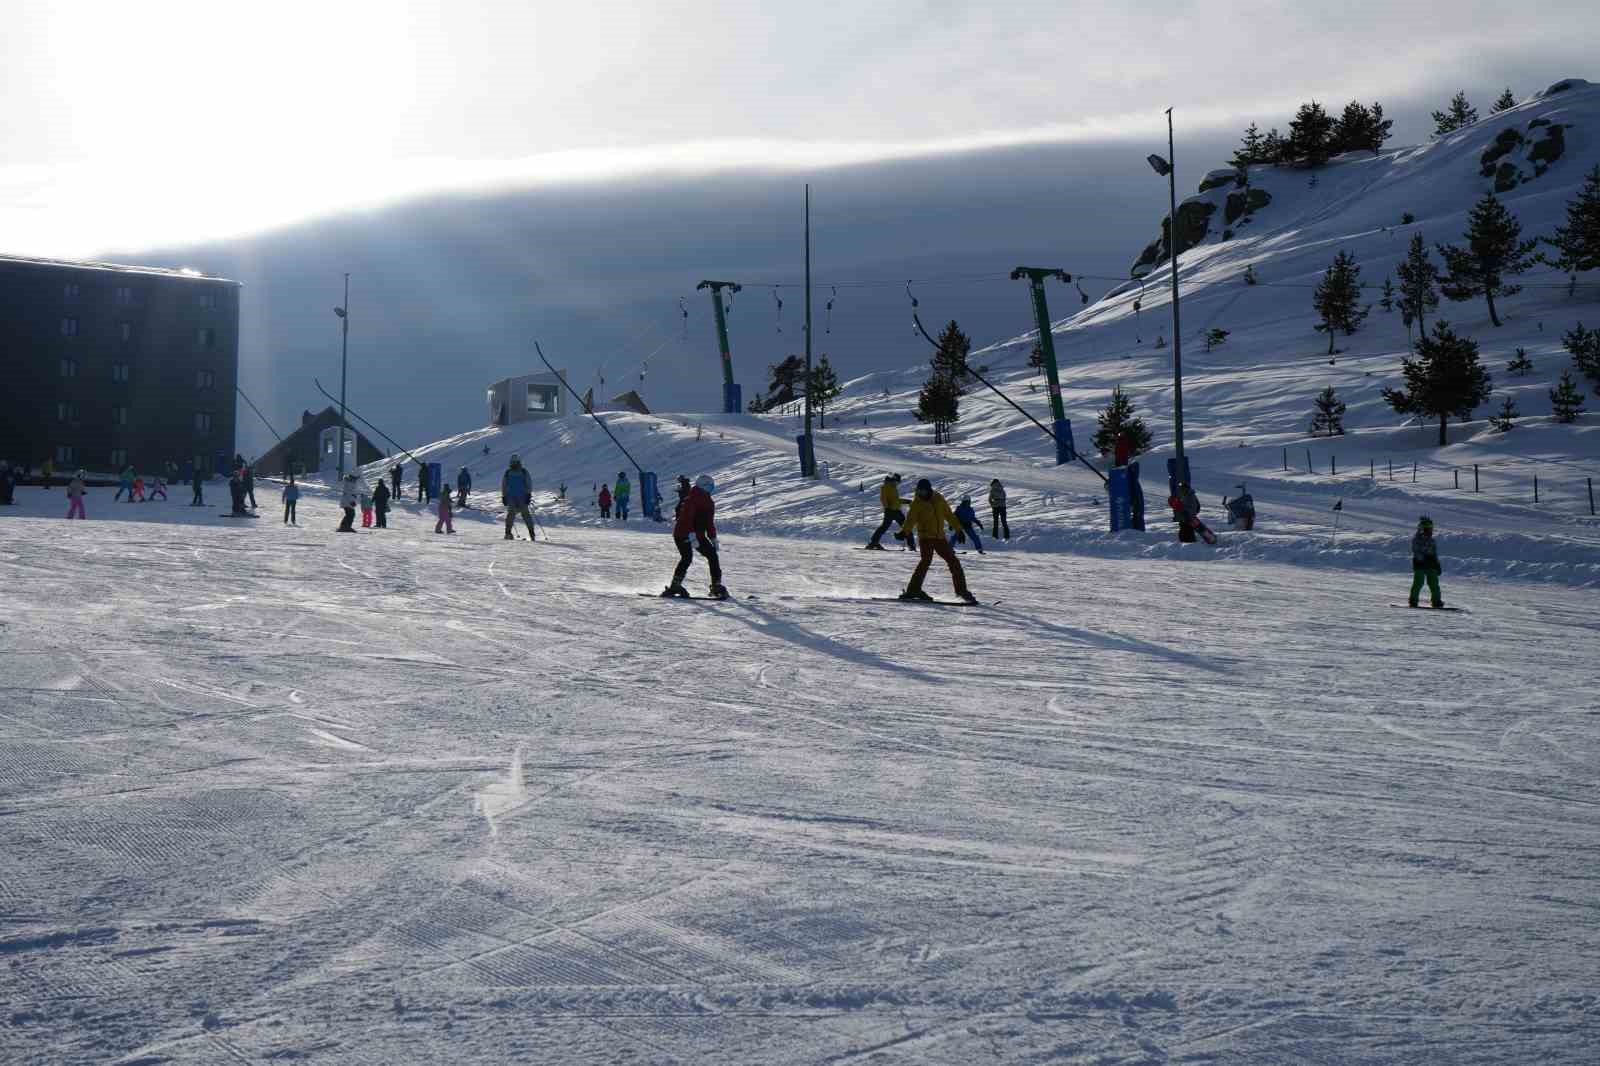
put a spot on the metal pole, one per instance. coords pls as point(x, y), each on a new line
point(1474, 477)
point(344, 361)
point(716, 287)
point(1177, 334)
point(808, 325)
point(1590, 480)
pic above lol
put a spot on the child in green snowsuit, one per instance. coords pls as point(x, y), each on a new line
point(1425, 563)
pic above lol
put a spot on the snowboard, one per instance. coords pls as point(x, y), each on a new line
point(247, 514)
point(1419, 607)
point(1198, 526)
point(709, 599)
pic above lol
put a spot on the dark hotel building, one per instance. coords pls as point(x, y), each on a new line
point(104, 365)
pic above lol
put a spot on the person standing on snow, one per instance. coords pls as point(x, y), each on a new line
point(248, 475)
point(696, 516)
point(928, 518)
point(380, 504)
point(620, 494)
point(397, 473)
point(444, 525)
point(422, 482)
point(236, 490)
point(160, 488)
point(8, 483)
point(1425, 563)
point(516, 493)
point(605, 501)
point(124, 484)
point(997, 505)
point(291, 496)
point(1187, 511)
point(1241, 510)
point(47, 471)
point(463, 486)
point(348, 496)
point(889, 498)
point(197, 482)
point(969, 523)
point(366, 505)
point(75, 494)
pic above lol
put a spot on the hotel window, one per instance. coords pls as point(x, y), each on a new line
point(119, 458)
point(119, 372)
point(63, 453)
point(205, 379)
point(69, 327)
point(202, 421)
point(124, 296)
point(125, 330)
point(208, 300)
point(66, 412)
point(69, 368)
point(119, 416)
point(70, 291)
point(205, 337)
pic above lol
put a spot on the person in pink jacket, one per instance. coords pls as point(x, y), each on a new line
point(444, 525)
point(75, 495)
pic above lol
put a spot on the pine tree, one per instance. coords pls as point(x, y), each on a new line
point(1503, 420)
point(1379, 131)
point(1329, 419)
point(1566, 399)
point(1311, 135)
point(939, 401)
point(1418, 276)
point(951, 356)
point(1506, 101)
point(1584, 344)
point(1118, 418)
point(1386, 301)
point(1521, 365)
point(1577, 244)
point(783, 382)
point(1445, 380)
point(1460, 114)
point(1274, 147)
point(1337, 298)
point(825, 387)
point(1251, 148)
point(1495, 251)
point(1352, 130)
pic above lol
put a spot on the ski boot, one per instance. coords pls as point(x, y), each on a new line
point(510, 537)
point(674, 591)
point(916, 596)
point(874, 546)
point(969, 598)
point(719, 592)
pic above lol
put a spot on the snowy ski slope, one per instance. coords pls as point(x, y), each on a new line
point(271, 793)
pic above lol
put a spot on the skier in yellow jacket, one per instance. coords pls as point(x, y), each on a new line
point(929, 517)
point(889, 497)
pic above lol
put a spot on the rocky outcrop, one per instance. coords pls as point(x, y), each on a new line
point(1194, 221)
point(1516, 157)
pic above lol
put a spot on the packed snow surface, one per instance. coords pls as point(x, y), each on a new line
point(268, 793)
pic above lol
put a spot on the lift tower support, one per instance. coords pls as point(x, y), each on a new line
point(732, 400)
point(1065, 452)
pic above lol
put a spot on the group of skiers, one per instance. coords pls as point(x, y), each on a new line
point(609, 499)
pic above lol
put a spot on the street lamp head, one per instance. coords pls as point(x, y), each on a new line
point(339, 311)
point(1159, 165)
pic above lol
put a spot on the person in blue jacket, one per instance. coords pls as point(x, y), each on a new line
point(516, 493)
point(969, 522)
point(291, 496)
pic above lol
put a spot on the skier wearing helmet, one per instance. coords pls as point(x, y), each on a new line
point(1425, 563)
point(516, 493)
point(75, 494)
point(696, 515)
point(929, 517)
point(348, 497)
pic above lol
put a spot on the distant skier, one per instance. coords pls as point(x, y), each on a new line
point(1241, 510)
point(197, 481)
point(516, 493)
point(365, 499)
point(1187, 511)
point(348, 496)
point(422, 482)
point(236, 491)
point(696, 516)
point(620, 494)
point(249, 477)
point(124, 484)
point(605, 501)
point(291, 496)
point(76, 491)
point(1425, 563)
point(8, 483)
point(928, 518)
point(444, 525)
point(463, 486)
point(397, 473)
point(47, 471)
point(380, 504)
point(889, 499)
point(138, 489)
point(997, 505)
point(159, 489)
point(969, 523)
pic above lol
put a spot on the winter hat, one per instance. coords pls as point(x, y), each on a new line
point(924, 485)
point(1425, 521)
point(704, 482)
point(966, 499)
point(516, 460)
point(81, 474)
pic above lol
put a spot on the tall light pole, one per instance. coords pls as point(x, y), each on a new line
point(810, 453)
point(1168, 168)
point(344, 361)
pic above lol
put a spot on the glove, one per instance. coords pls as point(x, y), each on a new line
point(504, 502)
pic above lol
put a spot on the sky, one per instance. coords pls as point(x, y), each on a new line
point(414, 143)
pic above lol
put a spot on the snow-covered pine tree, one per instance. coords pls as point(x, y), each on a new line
point(1459, 114)
point(1577, 244)
point(1494, 252)
point(1503, 419)
point(1584, 345)
point(1338, 298)
point(1251, 148)
point(1329, 418)
point(1418, 280)
point(1505, 102)
point(1566, 399)
point(1118, 417)
point(1311, 135)
point(1386, 301)
point(1521, 365)
point(1445, 380)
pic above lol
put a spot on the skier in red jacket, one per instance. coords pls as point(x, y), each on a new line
point(696, 516)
